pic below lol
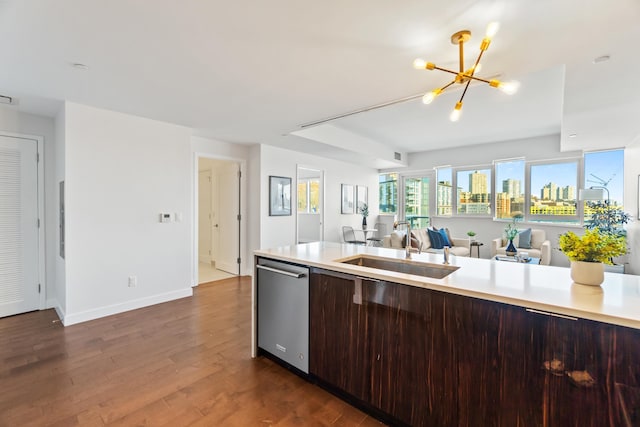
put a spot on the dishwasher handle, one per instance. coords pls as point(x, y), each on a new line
point(277, 270)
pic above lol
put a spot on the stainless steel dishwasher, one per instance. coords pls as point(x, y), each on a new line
point(283, 311)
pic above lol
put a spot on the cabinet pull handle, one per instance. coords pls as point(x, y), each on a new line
point(275, 270)
point(546, 313)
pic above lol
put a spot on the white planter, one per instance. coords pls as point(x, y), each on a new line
point(587, 273)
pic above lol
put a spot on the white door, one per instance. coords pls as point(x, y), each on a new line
point(228, 211)
point(19, 289)
point(215, 218)
point(204, 216)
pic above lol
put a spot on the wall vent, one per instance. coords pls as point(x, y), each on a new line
point(397, 156)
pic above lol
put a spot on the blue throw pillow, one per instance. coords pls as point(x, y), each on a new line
point(445, 237)
point(436, 239)
point(524, 239)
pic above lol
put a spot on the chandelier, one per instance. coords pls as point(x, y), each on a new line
point(465, 77)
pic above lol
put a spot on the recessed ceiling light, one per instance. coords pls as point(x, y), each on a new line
point(573, 135)
point(80, 66)
point(603, 58)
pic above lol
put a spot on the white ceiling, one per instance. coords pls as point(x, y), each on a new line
point(255, 71)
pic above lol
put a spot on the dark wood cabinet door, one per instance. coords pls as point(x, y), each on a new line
point(339, 342)
point(500, 379)
point(601, 364)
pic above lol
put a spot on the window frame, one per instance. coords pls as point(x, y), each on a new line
point(402, 203)
point(554, 219)
point(434, 175)
point(307, 182)
point(490, 186)
point(381, 212)
point(523, 185)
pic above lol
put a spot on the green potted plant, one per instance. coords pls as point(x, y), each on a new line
point(588, 253)
point(609, 219)
point(471, 235)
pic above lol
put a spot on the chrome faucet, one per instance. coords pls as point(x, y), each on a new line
point(407, 246)
point(446, 255)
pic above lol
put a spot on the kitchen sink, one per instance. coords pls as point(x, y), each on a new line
point(417, 268)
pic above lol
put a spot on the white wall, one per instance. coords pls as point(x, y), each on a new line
point(11, 120)
point(281, 230)
point(631, 190)
point(60, 266)
point(121, 172)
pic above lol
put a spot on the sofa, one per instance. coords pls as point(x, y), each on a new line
point(421, 241)
point(540, 246)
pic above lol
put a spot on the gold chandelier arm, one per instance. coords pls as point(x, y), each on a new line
point(465, 90)
point(478, 78)
point(461, 53)
point(473, 70)
point(447, 85)
point(445, 70)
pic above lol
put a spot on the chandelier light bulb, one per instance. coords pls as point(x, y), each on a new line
point(419, 64)
point(457, 111)
point(509, 87)
point(492, 29)
point(430, 96)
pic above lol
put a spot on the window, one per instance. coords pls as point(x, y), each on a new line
point(473, 192)
point(308, 195)
point(605, 170)
point(553, 192)
point(416, 201)
point(444, 178)
point(388, 193)
point(510, 186)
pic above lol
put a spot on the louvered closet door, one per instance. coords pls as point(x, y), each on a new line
point(18, 226)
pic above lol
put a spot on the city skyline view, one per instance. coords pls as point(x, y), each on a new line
point(553, 189)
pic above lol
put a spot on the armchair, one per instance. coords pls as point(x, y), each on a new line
point(540, 246)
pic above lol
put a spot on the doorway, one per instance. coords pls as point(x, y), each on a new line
point(218, 219)
point(21, 238)
point(310, 209)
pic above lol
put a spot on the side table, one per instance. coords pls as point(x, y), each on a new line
point(475, 244)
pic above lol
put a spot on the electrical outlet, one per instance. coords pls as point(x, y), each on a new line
point(133, 281)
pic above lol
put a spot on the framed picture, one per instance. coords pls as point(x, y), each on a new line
point(361, 197)
point(279, 196)
point(347, 199)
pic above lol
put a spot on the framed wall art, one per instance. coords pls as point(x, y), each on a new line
point(347, 199)
point(361, 197)
point(279, 196)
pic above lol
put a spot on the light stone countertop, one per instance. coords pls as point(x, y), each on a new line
point(539, 287)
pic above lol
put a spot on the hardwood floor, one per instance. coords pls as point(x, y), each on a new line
point(185, 362)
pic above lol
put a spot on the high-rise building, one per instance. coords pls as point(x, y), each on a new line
point(388, 192)
point(503, 205)
point(478, 183)
point(549, 192)
point(568, 193)
point(512, 187)
point(444, 198)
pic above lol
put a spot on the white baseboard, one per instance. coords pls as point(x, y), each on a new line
point(84, 316)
